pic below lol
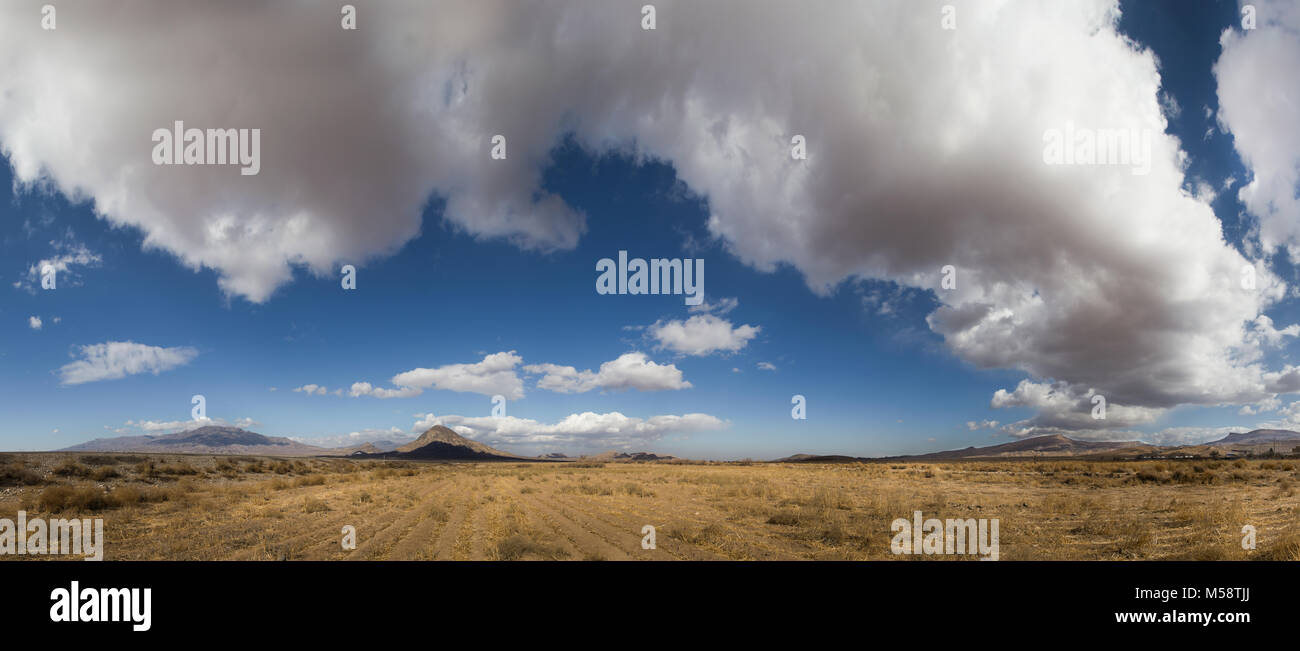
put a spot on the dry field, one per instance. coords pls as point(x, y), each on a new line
point(194, 507)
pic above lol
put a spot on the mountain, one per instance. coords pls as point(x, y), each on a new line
point(1259, 441)
point(819, 458)
point(796, 458)
point(1257, 436)
point(1053, 445)
point(209, 439)
point(614, 455)
point(364, 448)
point(440, 442)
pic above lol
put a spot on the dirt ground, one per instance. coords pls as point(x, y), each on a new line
point(194, 507)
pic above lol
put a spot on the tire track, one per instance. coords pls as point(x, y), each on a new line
point(376, 544)
point(584, 540)
point(627, 538)
point(451, 532)
point(679, 550)
point(419, 537)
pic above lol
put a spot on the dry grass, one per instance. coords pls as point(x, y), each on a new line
point(204, 507)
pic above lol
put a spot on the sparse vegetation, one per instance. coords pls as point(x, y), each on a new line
point(215, 507)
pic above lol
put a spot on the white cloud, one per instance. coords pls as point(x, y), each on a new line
point(163, 427)
point(586, 430)
point(721, 306)
point(346, 169)
point(701, 334)
point(492, 376)
point(1261, 407)
point(359, 389)
point(1190, 435)
point(311, 389)
point(1063, 408)
point(351, 439)
point(976, 426)
point(1265, 335)
point(1258, 106)
point(628, 371)
point(154, 427)
point(34, 322)
point(116, 359)
point(766, 366)
point(69, 255)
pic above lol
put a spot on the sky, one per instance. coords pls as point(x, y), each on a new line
point(893, 234)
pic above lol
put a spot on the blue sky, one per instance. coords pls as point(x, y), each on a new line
point(858, 339)
point(445, 299)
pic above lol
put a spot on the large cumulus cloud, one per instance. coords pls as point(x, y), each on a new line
point(1259, 104)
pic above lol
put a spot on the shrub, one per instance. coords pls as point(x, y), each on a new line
point(315, 506)
point(71, 468)
point(517, 546)
point(16, 474)
point(62, 498)
point(99, 460)
point(104, 473)
point(90, 498)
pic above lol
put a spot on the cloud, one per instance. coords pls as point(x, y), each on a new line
point(495, 375)
point(628, 371)
point(1190, 435)
point(1062, 408)
point(359, 389)
point(117, 359)
point(1264, 334)
point(352, 439)
point(1263, 406)
point(154, 427)
point(976, 426)
point(721, 306)
point(1259, 109)
point(311, 389)
point(1088, 277)
point(586, 430)
point(411, 121)
point(34, 322)
point(701, 335)
point(766, 366)
point(69, 255)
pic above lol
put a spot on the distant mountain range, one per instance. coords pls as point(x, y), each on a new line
point(209, 439)
point(1053, 445)
point(614, 455)
point(1258, 436)
point(437, 442)
point(1056, 445)
point(442, 443)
